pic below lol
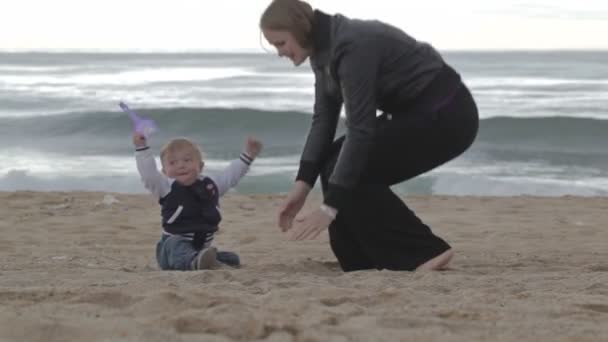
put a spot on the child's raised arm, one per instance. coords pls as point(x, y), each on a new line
point(157, 183)
point(233, 173)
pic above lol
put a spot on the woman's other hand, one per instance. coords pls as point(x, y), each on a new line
point(310, 226)
point(292, 205)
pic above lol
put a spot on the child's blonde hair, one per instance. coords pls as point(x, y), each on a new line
point(293, 16)
point(180, 144)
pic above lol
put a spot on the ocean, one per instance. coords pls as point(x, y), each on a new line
point(543, 129)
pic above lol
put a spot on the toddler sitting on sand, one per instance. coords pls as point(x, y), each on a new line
point(189, 201)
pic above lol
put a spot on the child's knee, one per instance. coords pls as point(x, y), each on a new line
point(176, 253)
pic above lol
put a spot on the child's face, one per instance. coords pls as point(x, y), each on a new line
point(182, 165)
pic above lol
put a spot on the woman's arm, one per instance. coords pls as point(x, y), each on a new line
point(322, 130)
point(357, 68)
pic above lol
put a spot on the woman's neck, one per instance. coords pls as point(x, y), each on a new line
point(321, 29)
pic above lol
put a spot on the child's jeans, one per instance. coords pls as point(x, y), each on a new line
point(174, 252)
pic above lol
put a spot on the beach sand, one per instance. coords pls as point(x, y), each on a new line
point(77, 267)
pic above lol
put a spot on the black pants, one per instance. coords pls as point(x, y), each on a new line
point(375, 229)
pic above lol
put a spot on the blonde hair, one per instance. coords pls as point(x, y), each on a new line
point(180, 144)
point(293, 16)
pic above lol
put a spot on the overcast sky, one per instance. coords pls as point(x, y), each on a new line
point(233, 24)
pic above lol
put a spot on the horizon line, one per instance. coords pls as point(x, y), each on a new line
point(261, 52)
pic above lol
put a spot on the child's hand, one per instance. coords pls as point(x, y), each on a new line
point(139, 140)
point(253, 147)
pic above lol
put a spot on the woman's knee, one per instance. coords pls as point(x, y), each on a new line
point(347, 249)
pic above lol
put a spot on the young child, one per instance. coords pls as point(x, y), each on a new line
point(189, 201)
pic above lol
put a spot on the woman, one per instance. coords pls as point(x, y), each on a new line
point(429, 117)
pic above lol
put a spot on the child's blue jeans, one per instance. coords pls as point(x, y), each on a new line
point(174, 252)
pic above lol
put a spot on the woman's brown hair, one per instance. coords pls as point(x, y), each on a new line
point(294, 16)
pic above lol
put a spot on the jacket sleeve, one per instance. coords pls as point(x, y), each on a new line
point(357, 69)
point(232, 174)
point(322, 130)
point(154, 181)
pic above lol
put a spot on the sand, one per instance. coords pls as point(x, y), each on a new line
point(79, 266)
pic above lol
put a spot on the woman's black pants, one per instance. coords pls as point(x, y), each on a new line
point(375, 229)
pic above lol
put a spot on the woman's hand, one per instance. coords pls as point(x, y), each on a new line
point(292, 205)
point(310, 226)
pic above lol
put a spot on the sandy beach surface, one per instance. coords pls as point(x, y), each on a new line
point(80, 266)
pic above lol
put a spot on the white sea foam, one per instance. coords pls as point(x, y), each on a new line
point(529, 82)
point(128, 78)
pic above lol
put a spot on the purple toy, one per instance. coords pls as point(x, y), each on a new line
point(140, 125)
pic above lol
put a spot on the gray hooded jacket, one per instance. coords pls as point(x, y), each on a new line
point(365, 66)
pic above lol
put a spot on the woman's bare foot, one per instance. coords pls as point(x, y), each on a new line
point(438, 262)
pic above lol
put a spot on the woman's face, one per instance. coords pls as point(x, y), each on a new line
point(286, 45)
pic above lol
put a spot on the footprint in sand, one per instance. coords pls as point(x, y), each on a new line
point(126, 227)
point(603, 308)
point(112, 299)
point(36, 296)
point(335, 301)
point(245, 328)
point(247, 240)
point(599, 268)
point(191, 325)
point(247, 206)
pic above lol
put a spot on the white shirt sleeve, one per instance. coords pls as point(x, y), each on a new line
point(232, 174)
point(156, 182)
